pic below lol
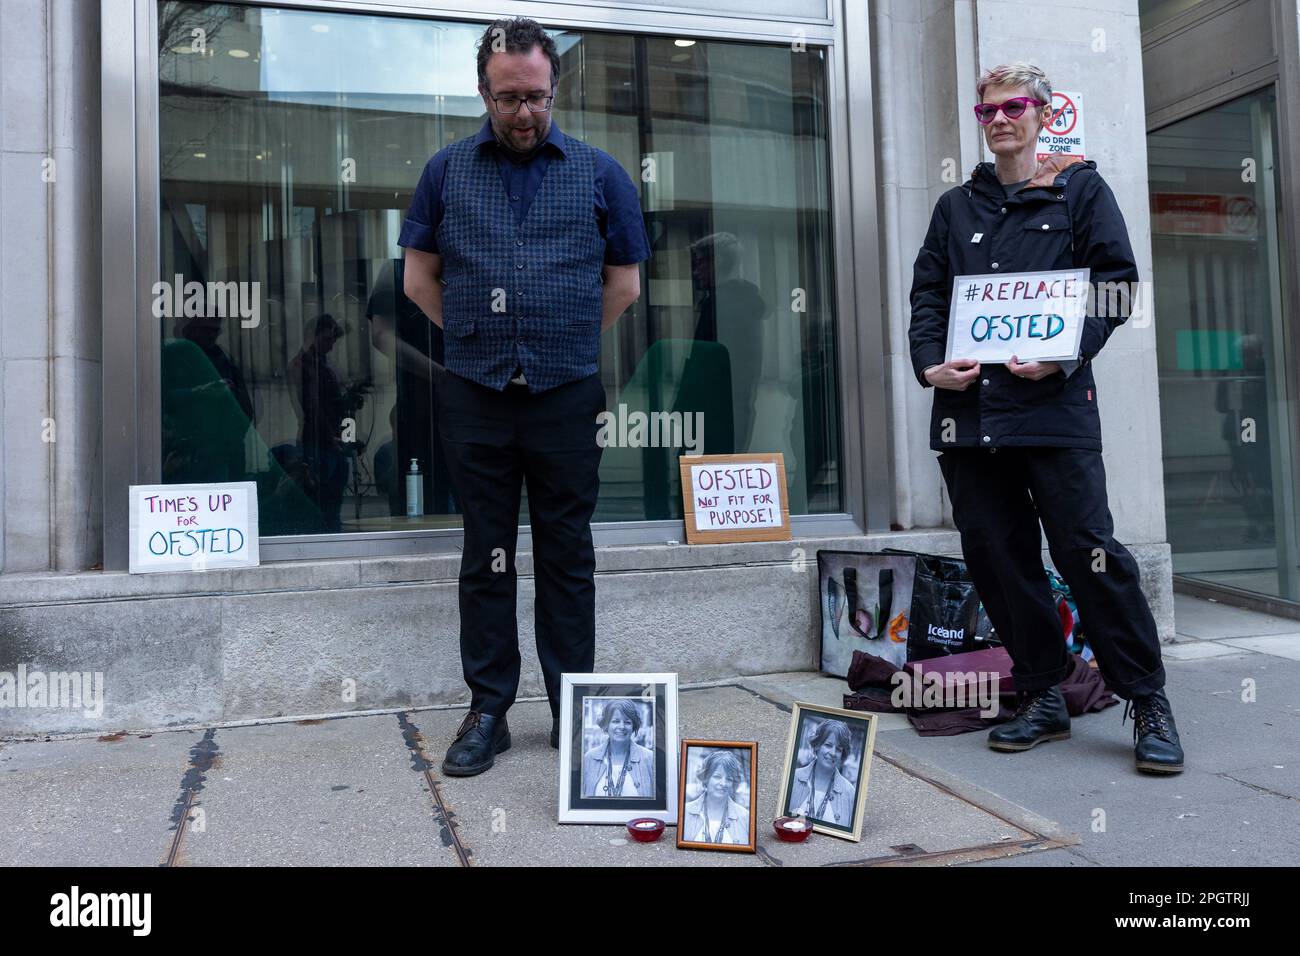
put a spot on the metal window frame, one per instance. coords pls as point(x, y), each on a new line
point(130, 250)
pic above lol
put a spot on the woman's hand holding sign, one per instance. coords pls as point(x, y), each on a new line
point(1032, 370)
point(956, 374)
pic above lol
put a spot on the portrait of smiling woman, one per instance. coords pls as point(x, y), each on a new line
point(821, 790)
point(618, 766)
point(717, 799)
point(828, 761)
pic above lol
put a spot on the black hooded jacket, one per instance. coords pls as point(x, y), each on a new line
point(1065, 217)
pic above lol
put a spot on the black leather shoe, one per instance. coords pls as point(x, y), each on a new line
point(480, 738)
point(555, 732)
point(1041, 715)
point(1155, 737)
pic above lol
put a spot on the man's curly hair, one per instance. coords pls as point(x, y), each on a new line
point(516, 35)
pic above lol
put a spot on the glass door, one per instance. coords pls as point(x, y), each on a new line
point(1229, 463)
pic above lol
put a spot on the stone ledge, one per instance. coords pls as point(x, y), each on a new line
point(295, 633)
point(41, 588)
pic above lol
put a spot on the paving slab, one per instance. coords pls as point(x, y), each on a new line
point(90, 802)
point(1277, 645)
point(1231, 806)
point(1279, 780)
point(508, 815)
point(1200, 618)
point(1195, 650)
point(811, 688)
point(343, 792)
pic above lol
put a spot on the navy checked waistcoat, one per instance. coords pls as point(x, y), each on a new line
point(521, 293)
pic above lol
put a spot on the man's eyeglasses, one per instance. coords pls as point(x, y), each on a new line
point(1012, 108)
point(509, 105)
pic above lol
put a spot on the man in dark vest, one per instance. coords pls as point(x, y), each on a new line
point(522, 244)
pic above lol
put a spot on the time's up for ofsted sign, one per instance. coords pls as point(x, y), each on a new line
point(193, 527)
point(1035, 316)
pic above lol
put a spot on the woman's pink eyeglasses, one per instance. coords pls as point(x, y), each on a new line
point(1013, 108)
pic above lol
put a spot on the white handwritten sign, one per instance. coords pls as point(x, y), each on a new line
point(735, 498)
point(1035, 316)
point(193, 527)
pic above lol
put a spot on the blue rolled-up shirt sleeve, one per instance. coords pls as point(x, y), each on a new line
point(618, 210)
point(425, 215)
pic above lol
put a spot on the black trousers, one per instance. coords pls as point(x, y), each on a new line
point(998, 498)
point(495, 441)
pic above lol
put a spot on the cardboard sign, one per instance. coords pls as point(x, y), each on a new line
point(193, 527)
point(1064, 134)
point(735, 498)
point(1035, 316)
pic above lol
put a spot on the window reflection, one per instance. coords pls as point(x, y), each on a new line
point(1220, 338)
point(290, 144)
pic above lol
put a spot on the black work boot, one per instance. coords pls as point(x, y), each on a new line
point(480, 738)
point(555, 732)
point(1155, 737)
point(1040, 716)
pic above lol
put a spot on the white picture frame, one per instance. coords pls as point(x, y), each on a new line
point(642, 706)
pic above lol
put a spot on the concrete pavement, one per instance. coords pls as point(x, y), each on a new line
point(366, 790)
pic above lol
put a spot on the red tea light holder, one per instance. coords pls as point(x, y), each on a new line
point(645, 829)
point(792, 829)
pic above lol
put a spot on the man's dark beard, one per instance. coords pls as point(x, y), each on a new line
point(504, 143)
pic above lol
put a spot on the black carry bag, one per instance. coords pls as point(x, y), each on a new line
point(947, 616)
point(865, 599)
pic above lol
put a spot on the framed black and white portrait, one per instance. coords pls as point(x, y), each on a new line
point(715, 803)
point(618, 738)
point(827, 763)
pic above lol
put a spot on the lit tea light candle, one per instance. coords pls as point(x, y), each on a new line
point(792, 829)
point(645, 829)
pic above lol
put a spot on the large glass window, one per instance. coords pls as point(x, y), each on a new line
point(290, 145)
point(1224, 381)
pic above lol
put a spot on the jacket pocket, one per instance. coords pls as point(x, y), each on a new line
point(459, 327)
point(1029, 391)
point(1047, 222)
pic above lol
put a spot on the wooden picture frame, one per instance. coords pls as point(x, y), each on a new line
point(796, 794)
point(694, 535)
point(728, 834)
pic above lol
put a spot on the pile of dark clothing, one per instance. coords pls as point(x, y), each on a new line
point(874, 682)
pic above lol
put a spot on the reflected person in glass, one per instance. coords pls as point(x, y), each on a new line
point(320, 403)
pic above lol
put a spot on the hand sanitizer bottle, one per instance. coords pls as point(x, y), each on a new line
point(414, 491)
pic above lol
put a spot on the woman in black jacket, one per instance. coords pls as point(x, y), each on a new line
point(1021, 442)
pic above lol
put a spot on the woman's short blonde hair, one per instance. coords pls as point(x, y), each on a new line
point(1017, 74)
